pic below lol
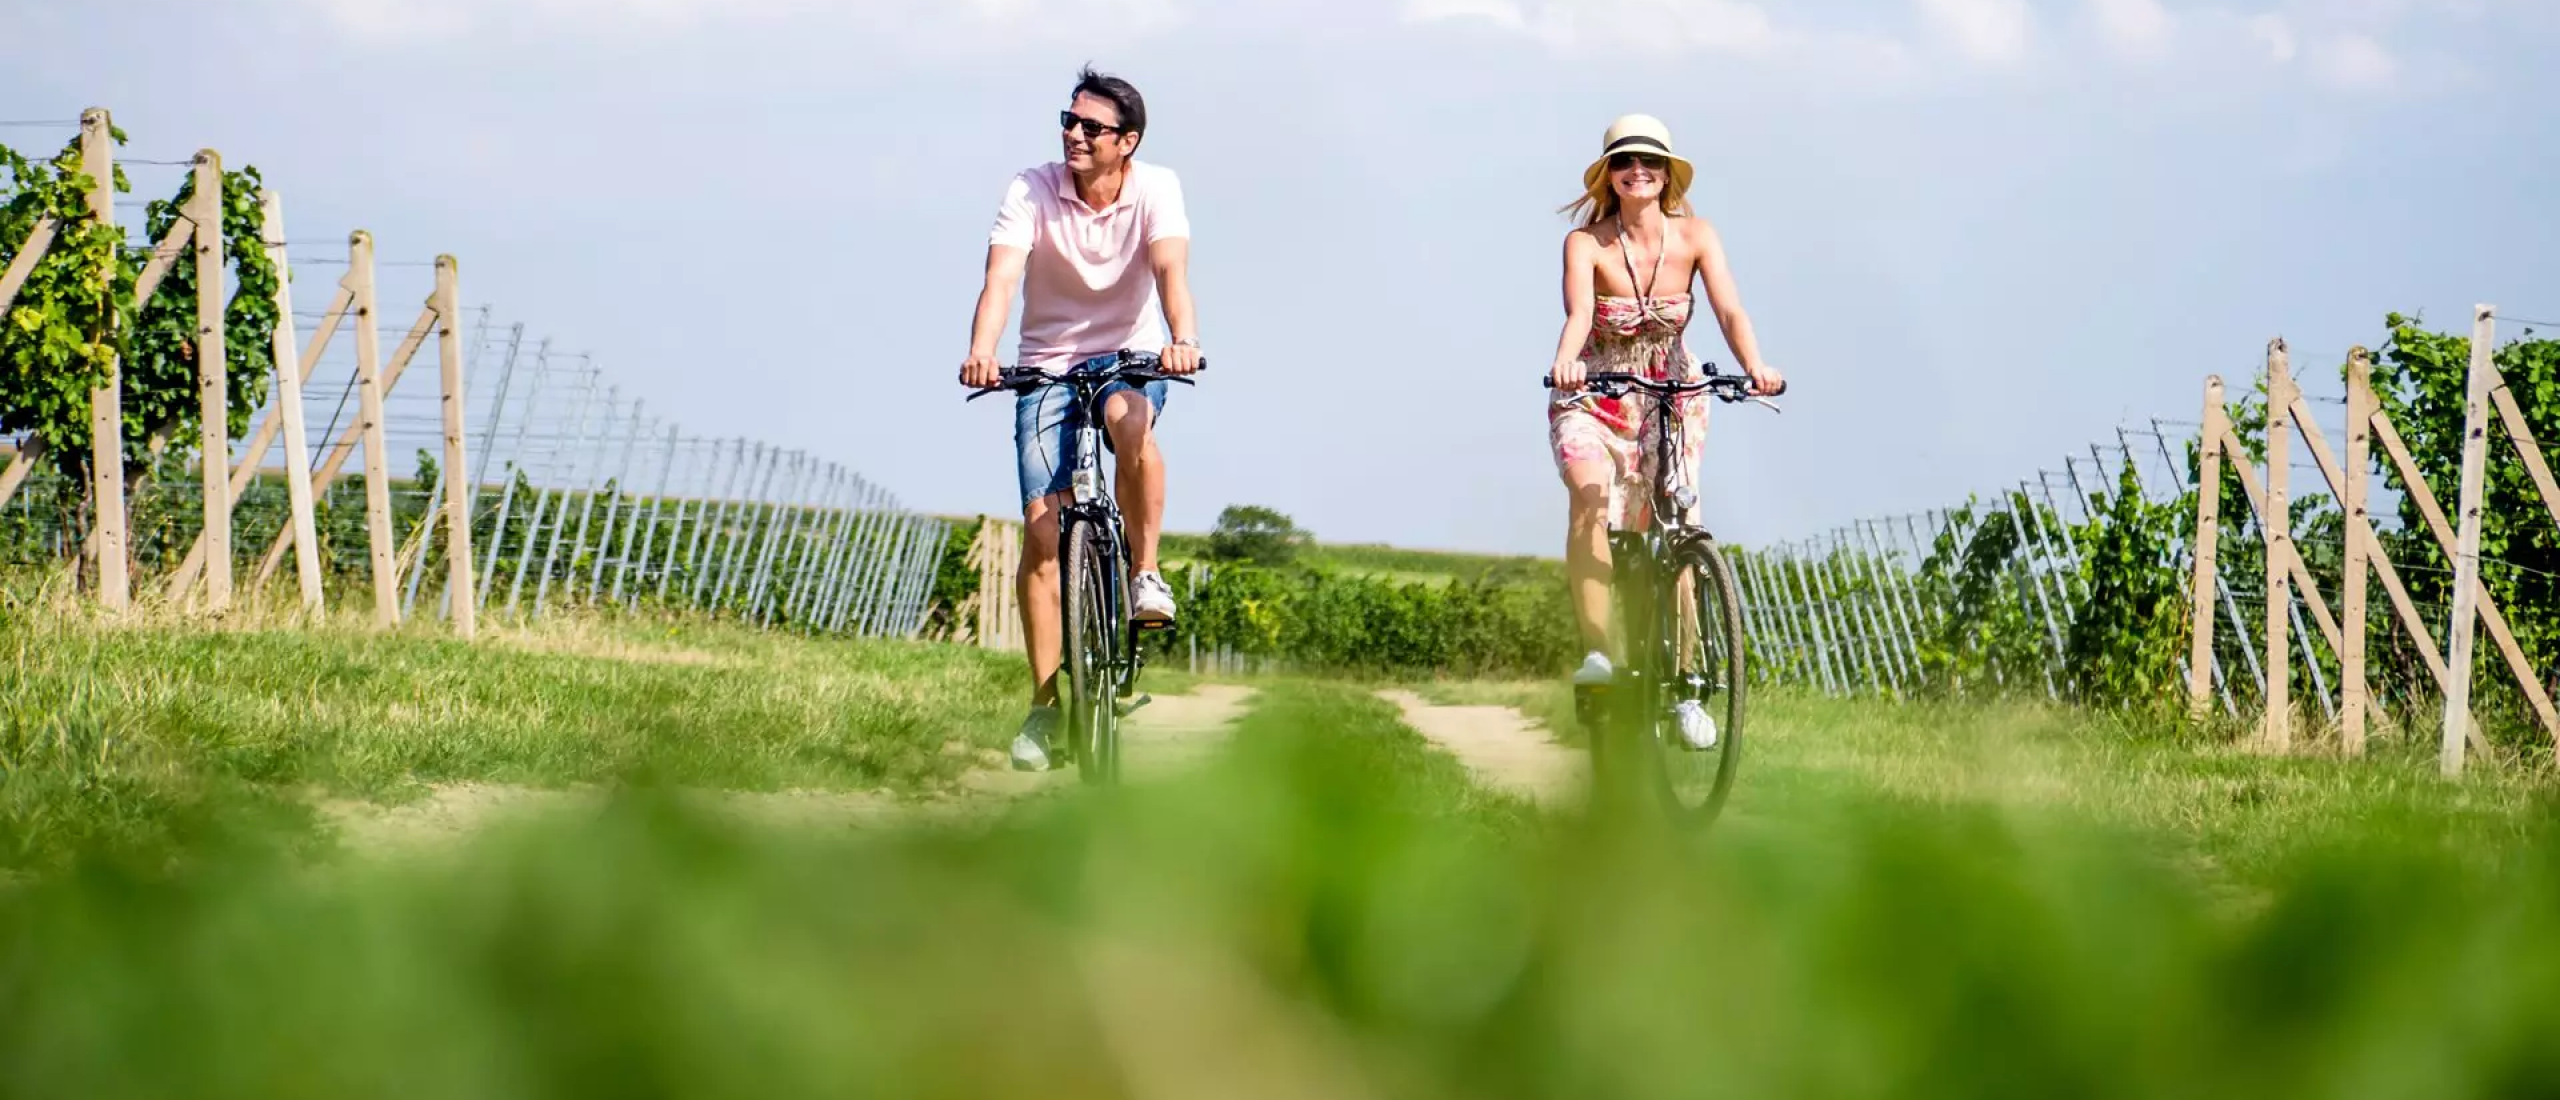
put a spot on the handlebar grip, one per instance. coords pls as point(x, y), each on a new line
point(1601, 377)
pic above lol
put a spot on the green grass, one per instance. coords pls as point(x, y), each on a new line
point(1330, 910)
point(134, 737)
point(1936, 899)
point(2236, 818)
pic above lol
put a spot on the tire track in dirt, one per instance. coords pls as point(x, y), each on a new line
point(1167, 737)
point(1164, 739)
point(1503, 749)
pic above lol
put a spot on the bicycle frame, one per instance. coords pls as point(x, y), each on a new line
point(1090, 500)
point(1646, 587)
point(1669, 530)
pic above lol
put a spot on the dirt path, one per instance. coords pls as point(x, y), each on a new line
point(1500, 747)
point(1166, 737)
point(1175, 733)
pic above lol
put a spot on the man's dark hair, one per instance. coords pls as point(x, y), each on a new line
point(1120, 94)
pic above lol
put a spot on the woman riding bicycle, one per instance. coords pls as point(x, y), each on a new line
point(1622, 314)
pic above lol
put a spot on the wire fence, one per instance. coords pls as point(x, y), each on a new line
point(580, 497)
point(2090, 578)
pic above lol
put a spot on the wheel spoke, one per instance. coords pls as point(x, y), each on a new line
point(1700, 639)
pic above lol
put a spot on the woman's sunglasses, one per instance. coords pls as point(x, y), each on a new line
point(1076, 123)
point(1620, 162)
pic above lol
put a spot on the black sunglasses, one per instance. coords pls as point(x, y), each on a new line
point(1620, 162)
point(1072, 122)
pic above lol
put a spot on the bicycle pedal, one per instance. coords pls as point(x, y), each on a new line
point(1150, 626)
point(1591, 704)
point(1131, 707)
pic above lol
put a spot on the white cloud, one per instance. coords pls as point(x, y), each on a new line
point(406, 20)
point(1722, 26)
point(1988, 31)
point(2356, 61)
point(1501, 13)
point(2272, 31)
point(2134, 28)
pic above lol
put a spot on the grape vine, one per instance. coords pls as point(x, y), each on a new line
point(161, 363)
point(60, 338)
point(76, 316)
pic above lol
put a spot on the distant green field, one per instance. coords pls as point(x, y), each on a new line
point(1396, 563)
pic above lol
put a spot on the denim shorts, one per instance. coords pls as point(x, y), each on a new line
point(1044, 437)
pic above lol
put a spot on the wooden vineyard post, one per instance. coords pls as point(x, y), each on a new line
point(213, 384)
point(2413, 482)
point(2208, 545)
point(377, 465)
point(1008, 586)
point(263, 439)
point(2466, 553)
point(297, 441)
point(106, 403)
point(2276, 523)
point(457, 466)
point(2352, 693)
point(989, 558)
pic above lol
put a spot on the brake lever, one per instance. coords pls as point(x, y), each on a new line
point(1003, 385)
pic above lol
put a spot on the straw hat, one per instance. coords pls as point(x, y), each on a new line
point(1638, 134)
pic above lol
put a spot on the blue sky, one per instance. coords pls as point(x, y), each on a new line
point(1977, 233)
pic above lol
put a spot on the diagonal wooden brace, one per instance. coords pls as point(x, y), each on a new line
point(346, 445)
point(2414, 483)
point(260, 442)
point(2257, 493)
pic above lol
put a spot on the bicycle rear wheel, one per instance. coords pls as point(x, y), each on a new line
point(1092, 632)
point(1705, 659)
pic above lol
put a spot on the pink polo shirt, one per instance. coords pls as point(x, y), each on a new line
point(1087, 288)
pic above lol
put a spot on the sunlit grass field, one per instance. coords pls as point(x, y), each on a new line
point(1930, 900)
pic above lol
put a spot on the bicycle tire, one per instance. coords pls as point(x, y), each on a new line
point(1617, 752)
point(1092, 711)
point(1713, 664)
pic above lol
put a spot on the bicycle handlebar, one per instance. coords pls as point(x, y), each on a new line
point(1135, 366)
point(1725, 387)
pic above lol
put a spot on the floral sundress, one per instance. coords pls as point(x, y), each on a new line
point(1637, 335)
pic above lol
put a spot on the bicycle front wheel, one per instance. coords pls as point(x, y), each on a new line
point(1705, 659)
point(1092, 638)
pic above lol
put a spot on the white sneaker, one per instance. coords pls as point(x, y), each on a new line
point(1031, 745)
point(1151, 598)
point(1595, 670)
point(1697, 729)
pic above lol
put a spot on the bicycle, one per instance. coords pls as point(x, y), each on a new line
point(1101, 658)
point(1697, 655)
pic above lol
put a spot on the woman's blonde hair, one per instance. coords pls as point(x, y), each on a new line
point(1600, 202)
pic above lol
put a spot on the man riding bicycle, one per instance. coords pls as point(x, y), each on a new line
point(1101, 247)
